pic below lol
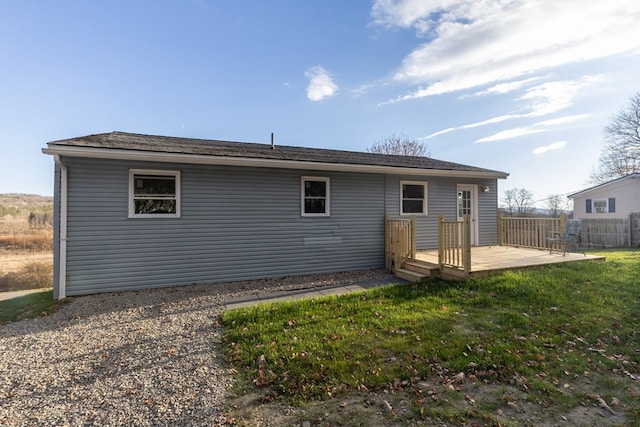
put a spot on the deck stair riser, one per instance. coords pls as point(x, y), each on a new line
point(408, 275)
point(428, 269)
point(414, 271)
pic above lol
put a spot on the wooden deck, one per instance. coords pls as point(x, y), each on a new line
point(487, 259)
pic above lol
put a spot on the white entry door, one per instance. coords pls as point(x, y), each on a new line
point(468, 204)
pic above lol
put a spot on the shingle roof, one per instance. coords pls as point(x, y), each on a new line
point(131, 142)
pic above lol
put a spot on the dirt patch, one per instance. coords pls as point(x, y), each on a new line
point(468, 403)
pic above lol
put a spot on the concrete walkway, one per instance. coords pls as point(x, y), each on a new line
point(266, 296)
point(298, 294)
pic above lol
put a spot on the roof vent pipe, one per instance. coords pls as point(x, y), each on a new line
point(273, 146)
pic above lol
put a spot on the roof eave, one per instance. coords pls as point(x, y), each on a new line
point(600, 187)
point(102, 153)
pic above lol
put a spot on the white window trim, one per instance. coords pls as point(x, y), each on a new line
point(328, 196)
point(426, 196)
point(606, 205)
point(161, 172)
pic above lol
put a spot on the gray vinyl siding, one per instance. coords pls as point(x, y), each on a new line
point(236, 224)
point(488, 213)
point(441, 200)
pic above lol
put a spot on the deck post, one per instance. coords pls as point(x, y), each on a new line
point(500, 229)
point(413, 237)
point(395, 243)
point(466, 245)
point(441, 241)
point(387, 243)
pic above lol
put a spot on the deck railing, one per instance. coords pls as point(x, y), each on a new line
point(529, 232)
point(400, 241)
point(454, 244)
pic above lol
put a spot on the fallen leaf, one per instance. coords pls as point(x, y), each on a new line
point(604, 406)
point(515, 407)
point(458, 378)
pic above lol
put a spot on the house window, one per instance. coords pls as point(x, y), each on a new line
point(315, 196)
point(413, 197)
point(601, 205)
point(154, 193)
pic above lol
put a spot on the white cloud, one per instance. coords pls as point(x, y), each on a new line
point(438, 133)
point(550, 97)
point(394, 13)
point(321, 85)
point(490, 121)
point(510, 133)
point(503, 88)
point(553, 146)
point(563, 120)
point(543, 99)
point(473, 43)
point(538, 127)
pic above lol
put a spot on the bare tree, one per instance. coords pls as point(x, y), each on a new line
point(518, 202)
point(400, 145)
point(556, 204)
point(620, 154)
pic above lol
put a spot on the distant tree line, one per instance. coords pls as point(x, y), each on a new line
point(519, 202)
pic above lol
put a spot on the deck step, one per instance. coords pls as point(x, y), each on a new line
point(409, 275)
point(426, 268)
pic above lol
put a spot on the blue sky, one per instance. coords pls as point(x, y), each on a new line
point(524, 87)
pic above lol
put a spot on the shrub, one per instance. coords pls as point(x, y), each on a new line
point(41, 240)
point(40, 220)
point(34, 275)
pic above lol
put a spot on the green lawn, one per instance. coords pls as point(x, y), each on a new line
point(28, 306)
point(565, 334)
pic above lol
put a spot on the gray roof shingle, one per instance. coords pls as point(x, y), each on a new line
point(123, 141)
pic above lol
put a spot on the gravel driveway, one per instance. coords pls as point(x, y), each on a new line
point(132, 358)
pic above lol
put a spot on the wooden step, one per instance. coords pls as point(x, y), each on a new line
point(426, 268)
point(409, 275)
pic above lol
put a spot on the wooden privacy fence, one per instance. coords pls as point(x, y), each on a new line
point(529, 232)
point(454, 244)
point(400, 241)
point(594, 233)
point(611, 233)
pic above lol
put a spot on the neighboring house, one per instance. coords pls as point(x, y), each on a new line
point(614, 199)
point(138, 211)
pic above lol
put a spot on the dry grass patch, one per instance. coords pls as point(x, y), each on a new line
point(31, 275)
point(29, 240)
